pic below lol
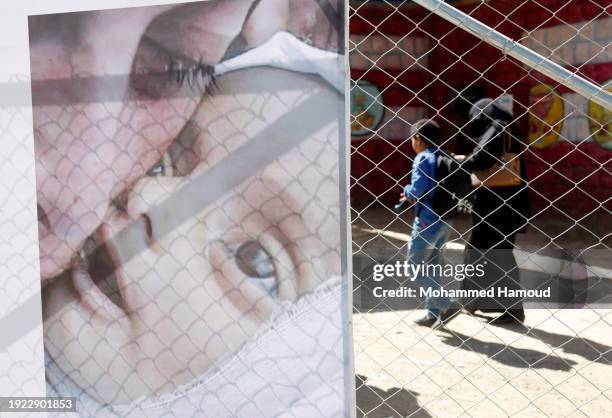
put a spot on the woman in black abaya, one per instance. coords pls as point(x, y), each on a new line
point(499, 213)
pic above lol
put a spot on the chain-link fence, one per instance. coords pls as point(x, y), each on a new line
point(536, 165)
point(191, 228)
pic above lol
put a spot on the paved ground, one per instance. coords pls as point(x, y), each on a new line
point(558, 364)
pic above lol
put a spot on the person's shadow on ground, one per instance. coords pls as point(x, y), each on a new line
point(588, 349)
point(373, 402)
point(508, 355)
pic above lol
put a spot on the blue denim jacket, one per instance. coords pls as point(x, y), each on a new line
point(421, 187)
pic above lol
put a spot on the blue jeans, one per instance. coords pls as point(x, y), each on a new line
point(426, 247)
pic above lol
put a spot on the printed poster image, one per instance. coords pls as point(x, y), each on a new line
point(367, 110)
point(191, 201)
point(545, 116)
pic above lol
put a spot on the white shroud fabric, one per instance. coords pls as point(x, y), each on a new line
point(294, 367)
point(283, 50)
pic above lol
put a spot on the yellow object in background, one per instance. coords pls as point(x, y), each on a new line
point(600, 121)
point(546, 113)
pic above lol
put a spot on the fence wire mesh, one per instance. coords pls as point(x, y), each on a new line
point(407, 64)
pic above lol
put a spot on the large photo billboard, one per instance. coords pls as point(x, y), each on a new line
point(191, 190)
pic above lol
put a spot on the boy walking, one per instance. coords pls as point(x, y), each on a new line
point(429, 232)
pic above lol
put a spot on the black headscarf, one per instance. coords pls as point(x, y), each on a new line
point(484, 113)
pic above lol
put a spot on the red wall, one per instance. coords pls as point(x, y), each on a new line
point(581, 175)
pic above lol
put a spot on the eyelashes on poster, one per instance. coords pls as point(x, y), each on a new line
point(190, 188)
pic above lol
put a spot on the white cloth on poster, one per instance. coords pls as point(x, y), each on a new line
point(283, 50)
point(293, 367)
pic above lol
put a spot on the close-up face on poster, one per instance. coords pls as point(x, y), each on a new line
point(306, 208)
point(191, 198)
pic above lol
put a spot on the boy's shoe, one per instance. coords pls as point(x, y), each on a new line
point(446, 316)
point(426, 320)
